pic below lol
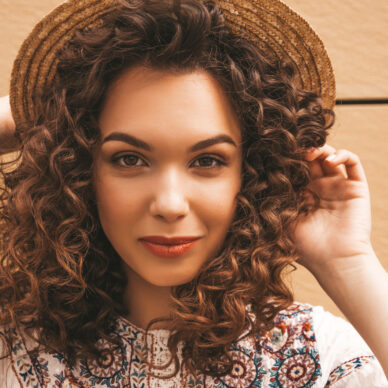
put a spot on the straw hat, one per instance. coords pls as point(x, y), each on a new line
point(270, 24)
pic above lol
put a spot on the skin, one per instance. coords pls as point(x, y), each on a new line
point(333, 242)
point(335, 245)
point(8, 142)
point(168, 191)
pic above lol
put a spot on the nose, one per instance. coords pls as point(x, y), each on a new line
point(169, 201)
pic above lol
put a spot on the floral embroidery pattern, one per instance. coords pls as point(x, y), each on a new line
point(247, 370)
point(292, 346)
point(346, 368)
point(138, 374)
point(299, 368)
point(26, 371)
point(110, 369)
point(286, 357)
point(65, 382)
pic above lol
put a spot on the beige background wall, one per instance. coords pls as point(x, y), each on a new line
point(356, 37)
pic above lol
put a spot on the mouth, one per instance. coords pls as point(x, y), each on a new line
point(168, 250)
point(162, 240)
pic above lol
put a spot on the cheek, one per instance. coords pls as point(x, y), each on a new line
point(218, 201)
point(115, 201)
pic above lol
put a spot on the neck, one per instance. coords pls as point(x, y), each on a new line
point(146, 301)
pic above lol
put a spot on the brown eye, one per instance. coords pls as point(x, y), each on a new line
point(129, 160)
point(209, 162)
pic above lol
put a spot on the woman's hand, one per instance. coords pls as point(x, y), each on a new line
point(339, 230)
point(334, 245)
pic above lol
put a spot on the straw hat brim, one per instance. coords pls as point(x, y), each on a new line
point(270, 24)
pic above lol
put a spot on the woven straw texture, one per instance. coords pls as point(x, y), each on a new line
point(270, 24)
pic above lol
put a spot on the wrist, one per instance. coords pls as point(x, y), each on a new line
point(348, 267)
point(344, 285)
point(360, 291)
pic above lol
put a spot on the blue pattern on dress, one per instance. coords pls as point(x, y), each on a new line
point(286, 357)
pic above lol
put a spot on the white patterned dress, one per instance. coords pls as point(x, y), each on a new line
point(309, 347)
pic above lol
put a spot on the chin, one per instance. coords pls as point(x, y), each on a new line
point(170, 281)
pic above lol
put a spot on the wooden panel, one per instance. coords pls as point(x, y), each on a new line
point(362, 130)
point(355, 34)
point(17, 19)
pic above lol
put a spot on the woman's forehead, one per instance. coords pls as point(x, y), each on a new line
point(153, 102)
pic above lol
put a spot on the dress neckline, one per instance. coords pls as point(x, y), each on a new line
point(140, 329)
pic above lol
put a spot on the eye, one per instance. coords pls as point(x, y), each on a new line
point(218, 162)
point(130, 160)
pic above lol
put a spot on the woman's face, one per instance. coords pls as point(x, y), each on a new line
point(157, 173)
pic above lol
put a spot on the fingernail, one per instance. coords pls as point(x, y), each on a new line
point(331, 157)
point(309, 151)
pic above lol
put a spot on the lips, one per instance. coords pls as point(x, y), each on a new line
point(169, 240)
point(168, 247)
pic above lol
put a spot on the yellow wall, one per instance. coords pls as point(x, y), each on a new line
point(355, 35)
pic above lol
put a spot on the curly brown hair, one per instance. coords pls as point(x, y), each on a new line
point(60, 276)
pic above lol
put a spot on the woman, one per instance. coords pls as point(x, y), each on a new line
point(163, 123)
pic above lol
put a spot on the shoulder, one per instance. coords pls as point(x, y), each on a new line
point(285, 356)
point(30, 366)
point(308, 347)
point(9, 348)
point(307, 338)
point(21, 363)
point(346, 358)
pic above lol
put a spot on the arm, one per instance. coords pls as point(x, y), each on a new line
point(8, 142)
point(334, 245)
point(360, 290)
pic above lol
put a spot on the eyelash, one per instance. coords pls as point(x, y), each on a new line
point(115, 160)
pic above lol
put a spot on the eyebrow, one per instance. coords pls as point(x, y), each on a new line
point(129, 139)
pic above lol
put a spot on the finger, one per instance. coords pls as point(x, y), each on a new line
point(319, 166)
point(352, 164)
point(315, 164)
point(333, 169)
point(319, 152)
point(316, 169)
